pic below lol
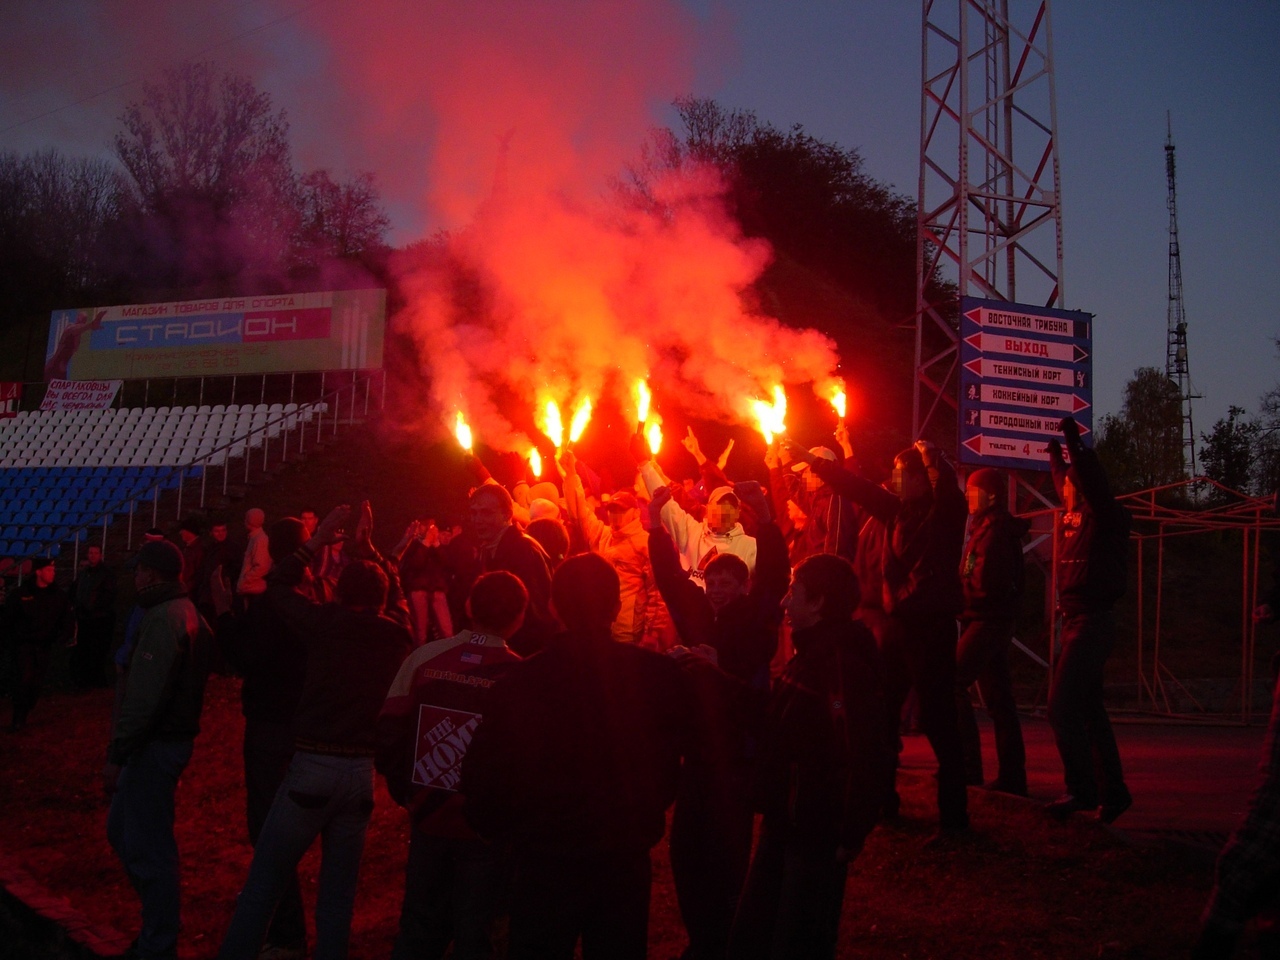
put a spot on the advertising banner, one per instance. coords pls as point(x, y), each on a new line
point(284, 333)
point(1022, 369)
point(80, 394)
point(10, 396)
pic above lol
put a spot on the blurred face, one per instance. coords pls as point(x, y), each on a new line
point(45, 575)
point(488, 520)
point(801, 611)
point(979, 499)
point(907, 483)
point(619, 518)
point(811, 480)
point(219, 533)
point(93, 556)
point(722, 588)
point(722, 515)
point(309, 522)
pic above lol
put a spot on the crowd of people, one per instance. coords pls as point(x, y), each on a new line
point(541, 684)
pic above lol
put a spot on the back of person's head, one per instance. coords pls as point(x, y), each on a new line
point(491, 494)
point(254, 518)
point(284, 537)
point(832, 578)
point(362, 584)
point(552, 536)
point(586, 592)
point(911, 459)
point(728, 564)
point(497, 600)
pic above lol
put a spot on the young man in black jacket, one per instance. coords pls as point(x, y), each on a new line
point(993, 575)
point(825, 767)
point(1093, 557)
point(574, 766)
point(923, 519)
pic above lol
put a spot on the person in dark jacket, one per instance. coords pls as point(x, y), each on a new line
point(93, 597)
point(575, 765)
point(993, 574)
point(152, 739)
point(1093, 556)
point(920, 532)
point(272, 660)
point(497, 544)
point(354, 648)
point(36, 616)
point(436, 702)
point(826, 764)
point(736, 617)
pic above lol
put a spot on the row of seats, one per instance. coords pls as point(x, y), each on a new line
point(63, 470)
point(145, 437)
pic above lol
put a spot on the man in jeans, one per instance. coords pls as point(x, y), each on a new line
point(354, 648)
point(158, 719)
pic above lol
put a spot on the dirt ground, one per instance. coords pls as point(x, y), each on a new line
point(1022, 887)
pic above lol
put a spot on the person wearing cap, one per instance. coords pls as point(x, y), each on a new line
point(699, 541)
point(354, 648)
point(623, 542)
point(257, 555)
point(922, 518)
point(151, 742)
point(993, 574)
point(37, 615)
point(1091, 570)
point(831, 522)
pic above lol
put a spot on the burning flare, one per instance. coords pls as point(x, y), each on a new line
point(535, 462)
point(552, 425)
point(654, 435)
point(643, 398)
point(771, 418)
point(839, 401)
point(581, 417)
point(462, 432)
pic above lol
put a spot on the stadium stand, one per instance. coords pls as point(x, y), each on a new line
point(65, 473)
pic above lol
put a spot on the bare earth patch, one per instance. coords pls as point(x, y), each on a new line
point(1022, 887)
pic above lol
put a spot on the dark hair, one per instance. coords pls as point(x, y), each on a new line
point(731, 564)
point(285, 536)
point(497, 600)
point(498, 493)
point(911, 459)
point(586, 592)
point(362, 584)
point(830, 577)
point(552, 536)
point(191, 525)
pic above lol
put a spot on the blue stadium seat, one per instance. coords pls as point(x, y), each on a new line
point(27, 533)
point(4, 548)
point(9, 533)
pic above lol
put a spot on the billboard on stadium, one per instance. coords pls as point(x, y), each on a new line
point(279, 333)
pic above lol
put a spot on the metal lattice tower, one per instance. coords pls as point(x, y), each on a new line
point(988, 214)
point(1176, 366)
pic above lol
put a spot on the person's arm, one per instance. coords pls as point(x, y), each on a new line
point(878, 501)
point(870, 758)
point(686, 602)
point(1094, 486)
point(394, 733)
point(575, 501)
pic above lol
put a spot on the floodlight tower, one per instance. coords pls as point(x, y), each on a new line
point(988, 203)
point(1176, 367)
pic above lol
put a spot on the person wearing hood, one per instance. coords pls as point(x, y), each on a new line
point(993, 575)
point(831, 522)
point(825, 768)
point(1092, 566)
point(623, 541)
point(699, 541)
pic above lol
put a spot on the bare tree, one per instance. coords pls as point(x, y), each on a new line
point(341, 219)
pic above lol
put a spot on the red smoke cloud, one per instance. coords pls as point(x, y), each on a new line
point(525, 112)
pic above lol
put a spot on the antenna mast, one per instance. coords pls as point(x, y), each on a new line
point(1176, 367)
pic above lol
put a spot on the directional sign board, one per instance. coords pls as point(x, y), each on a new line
point(1022, 369)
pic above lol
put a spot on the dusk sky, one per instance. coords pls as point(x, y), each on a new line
point(848, 71)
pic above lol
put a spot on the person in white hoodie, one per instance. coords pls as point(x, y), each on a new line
point(699, 541)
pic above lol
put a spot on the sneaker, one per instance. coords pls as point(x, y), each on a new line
point(1066, 805)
